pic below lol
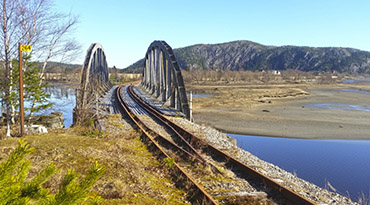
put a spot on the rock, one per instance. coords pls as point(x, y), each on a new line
point(36, 129)
point(279, 181)
point(54, 121)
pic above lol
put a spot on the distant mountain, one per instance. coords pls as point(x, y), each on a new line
point(247, 55)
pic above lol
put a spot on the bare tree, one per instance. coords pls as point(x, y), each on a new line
point(34, 22)
point(7, 30)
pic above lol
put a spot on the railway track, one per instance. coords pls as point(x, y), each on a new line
point(188, 152)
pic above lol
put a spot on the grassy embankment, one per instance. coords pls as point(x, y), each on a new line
point(133, 175)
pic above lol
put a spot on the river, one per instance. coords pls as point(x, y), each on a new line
point(345, 164)
point(63, 99)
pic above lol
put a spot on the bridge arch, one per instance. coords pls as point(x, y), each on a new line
point(94, 79)
point(162, 77)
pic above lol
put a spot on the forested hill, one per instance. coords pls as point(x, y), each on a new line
point(247, 55)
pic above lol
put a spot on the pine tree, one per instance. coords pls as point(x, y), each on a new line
point(34, 91)
point(15, 189)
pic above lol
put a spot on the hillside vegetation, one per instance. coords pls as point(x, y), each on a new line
point(247, 55)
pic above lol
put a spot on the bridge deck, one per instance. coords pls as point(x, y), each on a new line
point(156, 104)
point(107, 103)
point(131, 103)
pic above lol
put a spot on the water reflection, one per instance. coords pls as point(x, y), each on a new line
point(356, 80)
point(59, 92)
point(353, 90)
point(343, 163)
point(64, 100)
point(339, 106)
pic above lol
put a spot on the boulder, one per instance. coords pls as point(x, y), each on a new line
point(54, 121)
point(36, 129)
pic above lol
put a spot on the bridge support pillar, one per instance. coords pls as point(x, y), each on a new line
point(168, 81)
point(163, 78)
point(173, 98)
point(151, 72)
point(157, 73)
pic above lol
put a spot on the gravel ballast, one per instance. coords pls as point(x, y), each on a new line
point(228, 144)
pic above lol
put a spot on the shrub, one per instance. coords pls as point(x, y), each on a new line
point(169, 162)
point(15, 189)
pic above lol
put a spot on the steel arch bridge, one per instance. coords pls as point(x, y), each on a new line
point(162, 77)
point(94, 80)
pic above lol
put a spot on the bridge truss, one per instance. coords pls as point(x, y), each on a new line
point(94, 80)
point(162, 77)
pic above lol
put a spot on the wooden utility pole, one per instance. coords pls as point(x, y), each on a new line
point(21, 111)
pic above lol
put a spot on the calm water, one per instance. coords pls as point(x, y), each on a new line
point(343, 106)
point(343, 163)
point(353, 90)
point(356, 80)
point(339, 106)
point(64, 100)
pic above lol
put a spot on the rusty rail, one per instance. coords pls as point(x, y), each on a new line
point(184, 143)
point(199, 196)
point(232, 162)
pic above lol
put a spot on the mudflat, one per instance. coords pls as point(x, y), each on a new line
point(311, 111)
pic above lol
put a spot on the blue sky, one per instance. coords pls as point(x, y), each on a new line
point(126, 28)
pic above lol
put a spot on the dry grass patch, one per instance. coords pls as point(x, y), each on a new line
point(243, 96)
point(133, 175)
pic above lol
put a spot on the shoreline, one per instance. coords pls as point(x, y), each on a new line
point(228, 144)
point(271, 136)
point(288, 116)
point(283, 136)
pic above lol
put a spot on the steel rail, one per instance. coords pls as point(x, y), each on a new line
point(153, 112)
point(201, 197)
point(232, 162)
point(160, 118)
point(166, 142)
point(163, 140)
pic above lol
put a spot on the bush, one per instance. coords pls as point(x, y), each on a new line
point(15, 189)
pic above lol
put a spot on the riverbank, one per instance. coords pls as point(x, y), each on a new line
point(286, 110)
point(227, 144)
